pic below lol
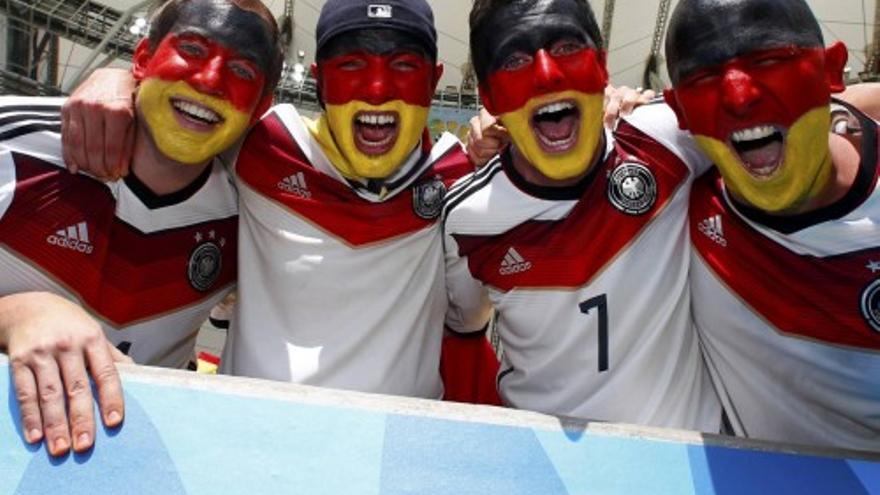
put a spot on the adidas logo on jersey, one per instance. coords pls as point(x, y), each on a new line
point(75, 237)
point(513, 263)
point(296, 185)
point(712, 228)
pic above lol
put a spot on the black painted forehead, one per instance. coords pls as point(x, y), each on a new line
point(529, 25)
point(382, 41)
point(219, 20)
point(706, 33)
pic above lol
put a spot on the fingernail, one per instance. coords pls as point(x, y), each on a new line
point(61, 445)
point(113, 417)
point(33, 435)
point(82, 441)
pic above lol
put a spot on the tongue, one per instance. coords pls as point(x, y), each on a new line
point(375, 133)
point(763, 157)
point(557, 130)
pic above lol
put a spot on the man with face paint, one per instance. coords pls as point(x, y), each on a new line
point(91, 269)
point(576, 236)
point(786, 260)
point(341, 279)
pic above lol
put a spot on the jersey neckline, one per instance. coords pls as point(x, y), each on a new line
point(553, 193)
point(154, 201)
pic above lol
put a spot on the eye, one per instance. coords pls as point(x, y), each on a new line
point(242, 70)
point(773, 57)
point(192, 48)
point(406, 63)
point(566, 47)
point(702, 78)
point(351, 64)
point(767, 61)
point(516, 61)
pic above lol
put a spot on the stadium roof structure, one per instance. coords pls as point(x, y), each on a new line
point(95, 33)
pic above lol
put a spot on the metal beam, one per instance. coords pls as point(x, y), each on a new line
point(607, 18)
point(651, 77)
point(660, 26)
point(117, 26)
point(872, 65)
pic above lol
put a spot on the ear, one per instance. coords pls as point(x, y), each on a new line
point(672, 100)
point(141, 58)
point(316, 74)
point(438, 73)
point(836, 56)
point(486, 99)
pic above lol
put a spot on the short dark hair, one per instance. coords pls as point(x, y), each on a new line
point(481, 13)
point(705, 33)
point(168, 13)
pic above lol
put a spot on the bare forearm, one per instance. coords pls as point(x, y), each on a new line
point(865, 97)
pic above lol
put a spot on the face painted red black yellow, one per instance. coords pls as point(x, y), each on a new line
point(545, 79)
point(376, 109)
point(551, 102)
point(763, 118)
point(197, 96)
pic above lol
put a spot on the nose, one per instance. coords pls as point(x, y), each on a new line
point(739, 92)
point(548, 77)
point(208, 78)
point(379, 89)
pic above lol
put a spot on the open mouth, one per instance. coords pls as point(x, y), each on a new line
point(375, 132)
point(200, 117)
point(761, 149)
point(556, 126)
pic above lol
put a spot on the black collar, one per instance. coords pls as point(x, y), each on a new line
point(154, 201)
point(553, 193)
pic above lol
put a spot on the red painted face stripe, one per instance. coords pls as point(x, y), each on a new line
point(377, 79)
point(210, 68)
point(582, 71)
point(775, 86)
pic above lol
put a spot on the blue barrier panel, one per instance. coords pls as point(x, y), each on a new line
point(187, 433)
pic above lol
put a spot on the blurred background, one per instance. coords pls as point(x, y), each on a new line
point(47, 46)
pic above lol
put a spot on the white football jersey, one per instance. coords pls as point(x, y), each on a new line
point(148, 267)
point(788, 310)
point(341, 285)
point(589, 281)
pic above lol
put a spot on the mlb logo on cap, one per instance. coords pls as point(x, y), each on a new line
point(379, 11)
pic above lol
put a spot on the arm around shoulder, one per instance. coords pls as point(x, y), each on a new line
point(865, 97)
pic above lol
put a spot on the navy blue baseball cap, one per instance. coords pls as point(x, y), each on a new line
point(412, 16)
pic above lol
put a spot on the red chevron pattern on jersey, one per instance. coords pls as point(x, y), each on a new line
point(801, 295)
point(271, 154)
point(573, 250)
point(65, 226)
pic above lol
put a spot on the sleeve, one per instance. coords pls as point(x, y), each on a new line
point(469, 306)
point(468, 364)
point(469, 367)
point(7, 180)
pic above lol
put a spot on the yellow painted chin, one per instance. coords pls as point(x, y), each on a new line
point(558, 166)
point(335, 131)
point(805, 171)
point(180, 143)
